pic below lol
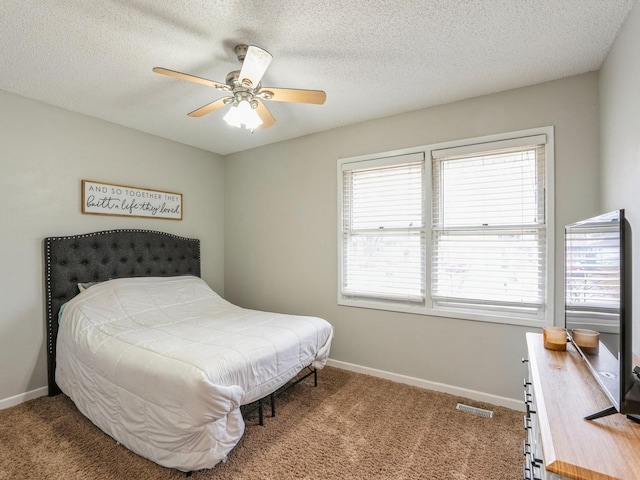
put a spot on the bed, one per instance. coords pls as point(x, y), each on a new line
point(153, 356)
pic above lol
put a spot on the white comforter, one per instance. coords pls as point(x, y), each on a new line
point(163, 364)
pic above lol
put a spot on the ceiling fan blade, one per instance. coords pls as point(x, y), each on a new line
point(191, 78)
point(210, 107)
point(264, 114)
point(316, 97)
point(254, 65)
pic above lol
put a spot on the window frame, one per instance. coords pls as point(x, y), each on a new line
point(426, 308)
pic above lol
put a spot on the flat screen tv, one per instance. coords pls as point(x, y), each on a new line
point(598, 297)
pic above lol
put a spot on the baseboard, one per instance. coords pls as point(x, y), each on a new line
point(438, 387)
point(395, 377)
point(23, 397)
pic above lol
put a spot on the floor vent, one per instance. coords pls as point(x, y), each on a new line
point(475, 410)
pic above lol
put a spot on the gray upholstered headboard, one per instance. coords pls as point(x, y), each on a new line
point(100, 256)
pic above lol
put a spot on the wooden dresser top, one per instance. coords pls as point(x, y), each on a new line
point(565, 392)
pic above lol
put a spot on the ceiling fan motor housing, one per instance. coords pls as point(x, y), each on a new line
point(240, 90)
point(241, 52)
point(233, 79)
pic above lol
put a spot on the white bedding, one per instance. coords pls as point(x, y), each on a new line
point(163, 364)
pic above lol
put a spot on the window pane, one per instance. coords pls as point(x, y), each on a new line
point(390, 197)
point(496, 189)
point(385, 265)
point(496, 266)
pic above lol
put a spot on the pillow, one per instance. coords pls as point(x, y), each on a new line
point(82, 286)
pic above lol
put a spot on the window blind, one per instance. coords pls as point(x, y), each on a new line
point(383, 230)
point(488, 229)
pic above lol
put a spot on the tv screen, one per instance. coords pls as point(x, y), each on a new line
point(597, 297)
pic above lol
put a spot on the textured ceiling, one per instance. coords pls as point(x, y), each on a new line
point(374, 58)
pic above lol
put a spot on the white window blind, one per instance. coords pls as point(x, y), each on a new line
point(488, 228)
point(383, 229)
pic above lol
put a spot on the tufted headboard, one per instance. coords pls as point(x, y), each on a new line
point(100, 256)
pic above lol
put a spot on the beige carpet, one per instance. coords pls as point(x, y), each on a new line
point(351, 426)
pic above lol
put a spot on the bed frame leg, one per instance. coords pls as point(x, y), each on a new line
point(272, 396)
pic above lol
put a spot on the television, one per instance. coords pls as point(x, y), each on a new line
point(598, 297)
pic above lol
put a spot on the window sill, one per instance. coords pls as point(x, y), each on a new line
point(420, 309)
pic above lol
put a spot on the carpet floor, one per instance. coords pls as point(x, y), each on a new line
point(351, 426)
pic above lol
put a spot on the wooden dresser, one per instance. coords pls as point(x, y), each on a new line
point(560, 392)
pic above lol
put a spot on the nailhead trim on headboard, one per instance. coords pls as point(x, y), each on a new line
point(100, 256)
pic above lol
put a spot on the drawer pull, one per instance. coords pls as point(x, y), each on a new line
point(533, 472)
point(528, 401)
point(527, 471)
point(536, 462)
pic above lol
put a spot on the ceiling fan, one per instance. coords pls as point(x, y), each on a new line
point(246, 93)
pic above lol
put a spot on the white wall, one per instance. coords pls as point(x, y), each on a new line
point(620, 139)
point(281, 230)
point(45, 152)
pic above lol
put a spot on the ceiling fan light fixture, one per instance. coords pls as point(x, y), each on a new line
point(246, 95)
point(243, 115)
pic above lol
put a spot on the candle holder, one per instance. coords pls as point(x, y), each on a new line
point(554, 338)
point(587, 340)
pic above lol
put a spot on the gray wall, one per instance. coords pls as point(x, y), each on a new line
point(281, 230)
point(45, 152)
point(278, 245)
point(620, 139)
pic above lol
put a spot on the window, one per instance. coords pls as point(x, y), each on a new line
point(459, 229)
point(488, 229)
point(383, 229)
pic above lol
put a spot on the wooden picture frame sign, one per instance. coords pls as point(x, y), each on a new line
point(100, 198)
